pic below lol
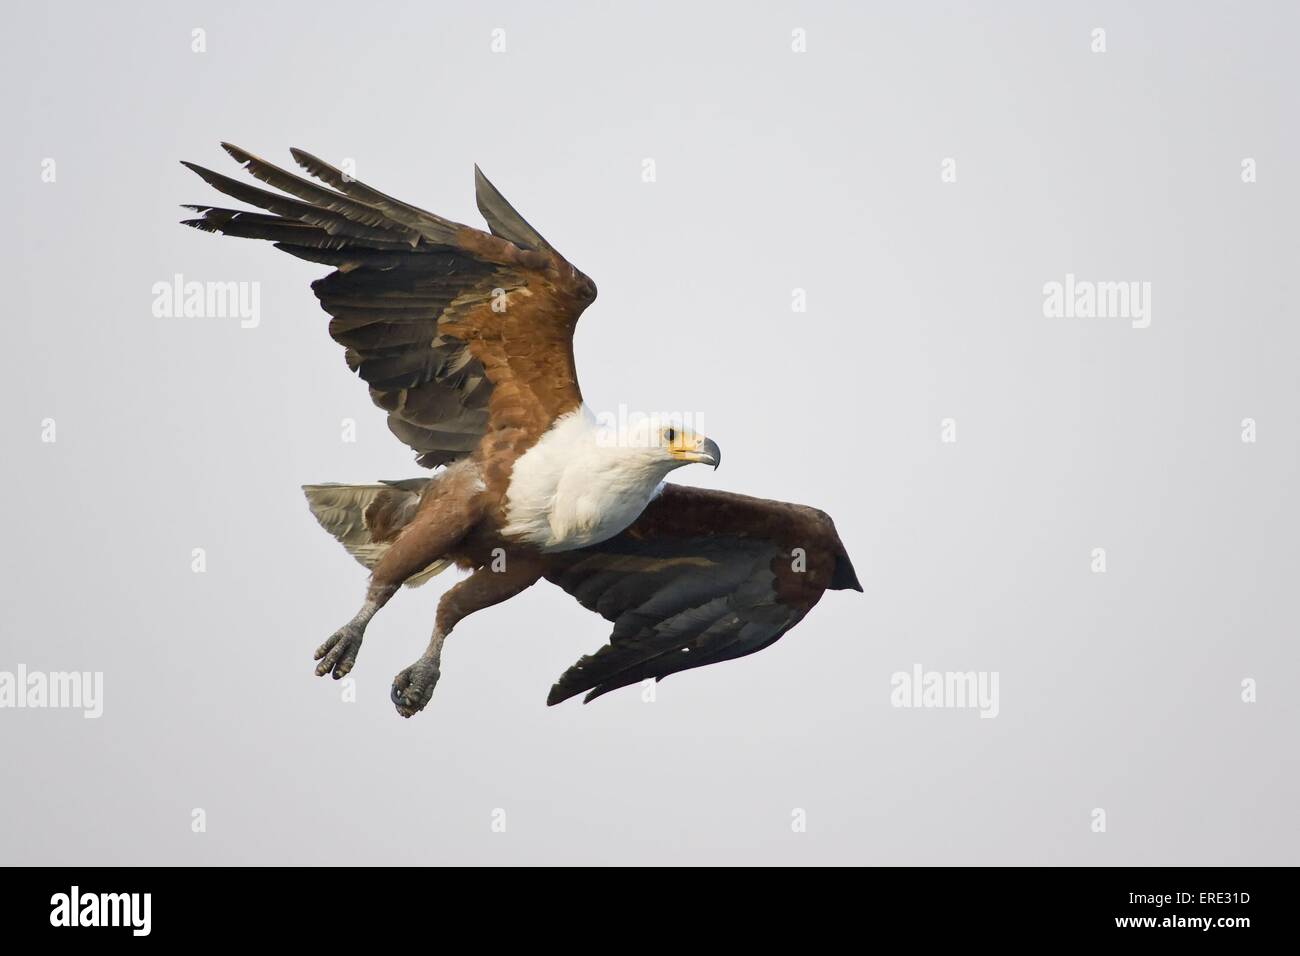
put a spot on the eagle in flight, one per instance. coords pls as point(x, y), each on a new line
point(465, 339)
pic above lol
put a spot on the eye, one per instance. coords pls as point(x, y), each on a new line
point(670, 435)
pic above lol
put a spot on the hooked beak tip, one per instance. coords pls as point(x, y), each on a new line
point(713, 451)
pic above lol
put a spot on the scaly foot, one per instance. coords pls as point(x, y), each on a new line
point(413, 687)
point(339, 653)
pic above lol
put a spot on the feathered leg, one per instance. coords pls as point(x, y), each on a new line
point(413, 687)
point(438, 526)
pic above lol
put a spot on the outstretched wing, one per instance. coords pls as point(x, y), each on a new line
point(464, 337)
point(702, 576)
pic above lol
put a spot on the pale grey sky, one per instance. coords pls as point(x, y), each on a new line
point(775, 171)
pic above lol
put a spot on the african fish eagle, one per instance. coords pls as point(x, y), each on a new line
point(465, 339)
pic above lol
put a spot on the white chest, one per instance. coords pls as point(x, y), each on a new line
point(569, 491)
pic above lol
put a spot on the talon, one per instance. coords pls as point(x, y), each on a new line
point(339, 653)
point(413, 687)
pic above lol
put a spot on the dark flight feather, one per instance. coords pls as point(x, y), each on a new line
point(502, 218)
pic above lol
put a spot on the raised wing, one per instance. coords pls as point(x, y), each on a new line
point(702, 576)
point(464, 337)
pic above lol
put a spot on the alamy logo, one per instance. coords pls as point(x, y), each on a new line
point(64, 690)
point(102, 909)
point(626, 428)
point(1084, 299)
point(179, 299)
point(946, 689)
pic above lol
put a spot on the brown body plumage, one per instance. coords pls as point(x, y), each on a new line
point(465, 339)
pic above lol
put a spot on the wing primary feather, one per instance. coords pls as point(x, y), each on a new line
point(502, 218)
point(305, 189)
point(333, 221)
point(427, 224)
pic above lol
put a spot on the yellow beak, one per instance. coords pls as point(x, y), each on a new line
point(705, 451)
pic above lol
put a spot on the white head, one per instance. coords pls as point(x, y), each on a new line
point(656, 446)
